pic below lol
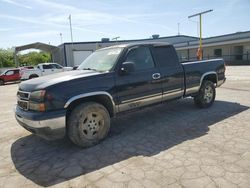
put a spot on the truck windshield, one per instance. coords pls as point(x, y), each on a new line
point(101, 60)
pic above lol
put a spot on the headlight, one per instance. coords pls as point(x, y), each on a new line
point(37, 95)
point(37, 106)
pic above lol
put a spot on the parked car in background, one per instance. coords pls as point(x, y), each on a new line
point(42, 70)
point(10, 75)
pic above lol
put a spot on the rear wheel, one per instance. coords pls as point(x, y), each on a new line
point(88, 124)
point(206, 95)
point(1, 82)
point(33, 76)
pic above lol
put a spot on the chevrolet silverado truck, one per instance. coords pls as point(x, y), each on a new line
point(79, 104)
point(43, 69)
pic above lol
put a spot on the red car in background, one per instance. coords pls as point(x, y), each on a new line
point(10, 75)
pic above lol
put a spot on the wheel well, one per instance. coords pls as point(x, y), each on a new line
point(33, 76)
point(211, 77)
point(102, 99)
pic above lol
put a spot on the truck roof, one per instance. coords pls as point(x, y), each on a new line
point(126, 45)
point(48, 63)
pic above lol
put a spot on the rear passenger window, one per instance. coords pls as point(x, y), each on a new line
point(47, 67)
point(165, 56)
point(57, 66)
point(141, 57)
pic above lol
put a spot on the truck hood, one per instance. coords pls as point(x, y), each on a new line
point(49, 80)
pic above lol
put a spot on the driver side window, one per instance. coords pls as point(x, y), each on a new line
point(9, 73)
point(141, 57)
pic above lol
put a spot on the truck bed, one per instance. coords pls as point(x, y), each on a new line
point(195, 71)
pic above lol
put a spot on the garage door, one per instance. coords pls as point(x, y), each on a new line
point(79, 56)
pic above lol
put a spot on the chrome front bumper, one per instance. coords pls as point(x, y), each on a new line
point(45, 125)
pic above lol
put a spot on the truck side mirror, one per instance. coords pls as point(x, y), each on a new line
point(127, 67)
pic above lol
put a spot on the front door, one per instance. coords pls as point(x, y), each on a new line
point(142, 86)
point(10, 76)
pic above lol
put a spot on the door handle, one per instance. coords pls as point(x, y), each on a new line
point(156, 76)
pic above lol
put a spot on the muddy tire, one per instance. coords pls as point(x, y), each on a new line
point(206, 95)
point(88, 124)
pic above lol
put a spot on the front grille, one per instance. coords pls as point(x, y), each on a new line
point(23, 104)
point(23, 99)
point(23, 95)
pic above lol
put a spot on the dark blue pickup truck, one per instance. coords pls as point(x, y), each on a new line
point(80, 103)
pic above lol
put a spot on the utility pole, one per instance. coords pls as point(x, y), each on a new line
point(200, 17)
point(71, 33)
point(178, 28)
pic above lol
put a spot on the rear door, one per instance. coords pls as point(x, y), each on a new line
point(142, 86)
point(16, 75)
point(172, 75)
point(57, 68)
point(47, 69)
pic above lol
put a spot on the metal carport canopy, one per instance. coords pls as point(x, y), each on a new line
point(37, 45)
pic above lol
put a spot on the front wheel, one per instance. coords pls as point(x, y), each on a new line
point(206, 95)
point(88, 124)
point(1, 82)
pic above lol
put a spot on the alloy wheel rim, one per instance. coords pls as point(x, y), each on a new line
point(208, 94)
point(91, 125)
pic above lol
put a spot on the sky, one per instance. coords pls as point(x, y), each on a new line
point(27, 21)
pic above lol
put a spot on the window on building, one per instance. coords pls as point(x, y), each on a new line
point(218, 52)
point(238, 52)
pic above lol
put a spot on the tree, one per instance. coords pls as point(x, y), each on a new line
point(6, 58)
point(31, 58)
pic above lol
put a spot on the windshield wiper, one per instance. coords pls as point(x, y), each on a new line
point(89, 69)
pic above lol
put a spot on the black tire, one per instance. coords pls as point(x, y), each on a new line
point(1, 82)
point(206, 95)
point(33, 76)
point(88, 124)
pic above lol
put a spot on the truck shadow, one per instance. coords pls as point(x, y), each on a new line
point(143, 133)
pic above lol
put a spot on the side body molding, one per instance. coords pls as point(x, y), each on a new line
point(91, 94)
